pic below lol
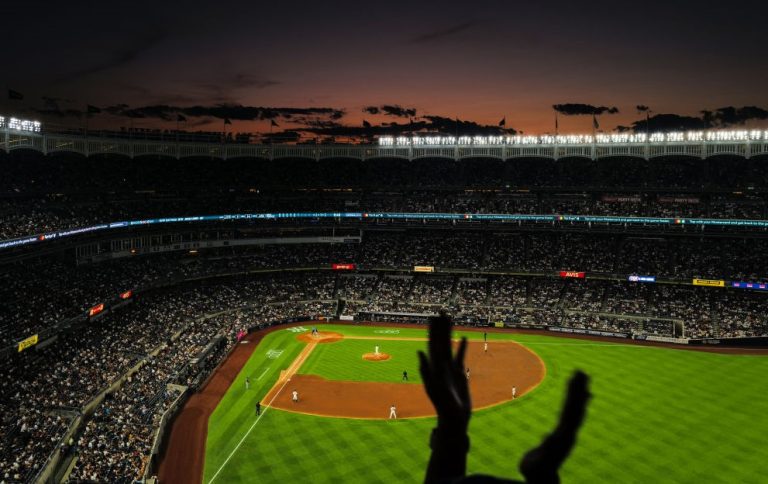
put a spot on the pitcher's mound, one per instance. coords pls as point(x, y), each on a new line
point(375, 357)
point(321, 337)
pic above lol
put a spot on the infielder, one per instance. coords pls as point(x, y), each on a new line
point(405, 375)
point(392, 411)
point(514, 392)
point(247, 383)
point(295, 396)
point(485, 347)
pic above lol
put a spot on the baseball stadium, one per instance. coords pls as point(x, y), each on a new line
point(455, 243)
point(187, 333)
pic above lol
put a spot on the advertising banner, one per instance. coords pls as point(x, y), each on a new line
point(96, 310)
point(749, 285)
point(709, 282)
point(343, 267)
point(26, 343)
point(575, 274)
point(423, 269)
point(634, 278)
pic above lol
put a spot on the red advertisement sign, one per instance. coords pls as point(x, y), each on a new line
point(126, 295)
point(343, 267)
point(577, 275)
point(96, 309)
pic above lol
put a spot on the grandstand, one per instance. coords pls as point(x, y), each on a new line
point(125, 282)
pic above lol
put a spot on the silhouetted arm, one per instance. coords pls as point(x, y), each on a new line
point(446, 384)
point(541, 465)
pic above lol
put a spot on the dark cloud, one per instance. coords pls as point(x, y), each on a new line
point(669, 122)
point(719, 118)
point(399, 111)
point(576, 109)
point(60, 112)
point(391, 110)
point(221, 111)
point(441, 33)
point(730, 116)
point(287, 136)
point(642, 108)
point(423, 125)
point(317, 123)
point(143, 43)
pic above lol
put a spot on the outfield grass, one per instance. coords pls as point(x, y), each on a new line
point(657, 415)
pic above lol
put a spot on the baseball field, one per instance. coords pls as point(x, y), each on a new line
point(657, 414)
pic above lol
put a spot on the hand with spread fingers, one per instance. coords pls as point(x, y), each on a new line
point(444, 376)
point(448, 388)
point(446, 384)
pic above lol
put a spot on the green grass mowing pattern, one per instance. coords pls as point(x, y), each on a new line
point(343, 361)
point(657, 415)
point(237, 409)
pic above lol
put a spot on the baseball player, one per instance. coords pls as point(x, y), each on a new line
point(405, 375)
point(485, 347)
point(392, 411)
point(467, 373)
point(247, 383)
point(258, 408)
point(295, 396)
point(514, 393)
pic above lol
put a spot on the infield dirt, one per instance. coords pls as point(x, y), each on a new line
point(492, 375)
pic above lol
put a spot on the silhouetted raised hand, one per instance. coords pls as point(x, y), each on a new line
point(540, 465)
point(447, 386)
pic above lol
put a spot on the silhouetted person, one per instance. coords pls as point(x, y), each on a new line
point(448, 388)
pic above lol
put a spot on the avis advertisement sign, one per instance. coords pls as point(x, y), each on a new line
point(573, 274)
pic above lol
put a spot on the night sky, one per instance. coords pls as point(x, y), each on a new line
point(146, 62)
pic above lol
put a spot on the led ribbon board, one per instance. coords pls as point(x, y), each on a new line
point(491, 217)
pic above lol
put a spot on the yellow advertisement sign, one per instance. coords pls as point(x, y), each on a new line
point(709, 282)
point(24, 344)
point(498, 324)
point(423, 269)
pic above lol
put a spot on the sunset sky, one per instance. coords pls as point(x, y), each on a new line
point(479, 61)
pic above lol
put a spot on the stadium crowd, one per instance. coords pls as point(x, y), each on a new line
point(163, 333)
point(33, 303)
point(25, 216)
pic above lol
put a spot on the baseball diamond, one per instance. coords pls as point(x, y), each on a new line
point(348, 242)
point(345, 403)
